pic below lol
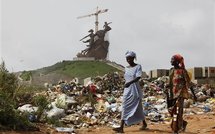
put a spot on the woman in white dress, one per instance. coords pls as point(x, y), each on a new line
point(132, 110)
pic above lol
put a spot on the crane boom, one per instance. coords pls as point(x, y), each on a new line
point(96, 17)
point(85, 16)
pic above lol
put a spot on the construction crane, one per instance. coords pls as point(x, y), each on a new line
point(96, 17)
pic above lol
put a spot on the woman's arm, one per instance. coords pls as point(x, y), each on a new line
point(130, 82)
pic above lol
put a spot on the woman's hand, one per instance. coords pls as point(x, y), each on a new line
point(127, 84)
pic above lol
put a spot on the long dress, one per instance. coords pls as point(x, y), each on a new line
point(132, 110)
point(179, 81)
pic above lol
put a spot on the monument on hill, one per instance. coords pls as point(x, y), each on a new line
point(97, 43)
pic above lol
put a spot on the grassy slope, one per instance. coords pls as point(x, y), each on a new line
point(79, 69)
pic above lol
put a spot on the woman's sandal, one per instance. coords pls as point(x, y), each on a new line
point(118, 130)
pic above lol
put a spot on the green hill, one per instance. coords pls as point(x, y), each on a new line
point(67, 70)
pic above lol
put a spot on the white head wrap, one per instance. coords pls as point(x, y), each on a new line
point(130, 53)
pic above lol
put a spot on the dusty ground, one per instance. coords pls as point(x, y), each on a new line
point(198, 124)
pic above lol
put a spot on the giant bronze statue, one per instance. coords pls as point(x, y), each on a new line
point(97, 46)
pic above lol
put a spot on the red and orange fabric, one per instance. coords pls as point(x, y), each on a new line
point(179, 82)
point(180, 59)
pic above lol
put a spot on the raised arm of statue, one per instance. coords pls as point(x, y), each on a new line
point(106, 24)
point(84, 37)
point(89, 35)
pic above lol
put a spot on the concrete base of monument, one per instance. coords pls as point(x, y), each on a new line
point(84, 58)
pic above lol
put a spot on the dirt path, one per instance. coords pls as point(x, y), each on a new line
point(197, 124)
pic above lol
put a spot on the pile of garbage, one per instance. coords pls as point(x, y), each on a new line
point(98, 101)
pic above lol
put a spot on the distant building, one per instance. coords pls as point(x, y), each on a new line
point(158, 73)
point(202, 75)
point(208, 72)
point(198, 75)
point(205, 72)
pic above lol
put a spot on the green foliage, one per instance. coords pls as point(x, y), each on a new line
point(41, 102)
point(24, 93)
point(8, 81)
point(14, 120)
point(10, 118)
point(26, 75)
point(30, 89)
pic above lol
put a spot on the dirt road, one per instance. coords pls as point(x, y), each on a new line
point(197, 124)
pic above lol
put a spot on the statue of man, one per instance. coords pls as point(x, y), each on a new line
point(106, 27)
point(91, 40)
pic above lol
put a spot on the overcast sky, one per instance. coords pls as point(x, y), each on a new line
point(40, 33)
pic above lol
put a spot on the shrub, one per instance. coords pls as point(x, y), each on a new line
point(41, 102)
point(10, 118)
point(26, 75)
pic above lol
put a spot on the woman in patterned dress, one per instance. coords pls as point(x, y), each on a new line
point(178, 84)
point(132, 110)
